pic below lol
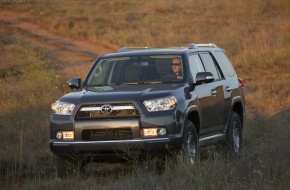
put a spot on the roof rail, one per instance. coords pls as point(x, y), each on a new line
point(124, 49)
point(194, 46)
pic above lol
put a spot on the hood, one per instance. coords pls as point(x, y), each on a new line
point(122, 93)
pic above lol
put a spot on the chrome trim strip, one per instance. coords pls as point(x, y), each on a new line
point(91, 109)
point(63, 143)
point(114, 108)
point(123, 107)
point(209, 77)
point(212, 137)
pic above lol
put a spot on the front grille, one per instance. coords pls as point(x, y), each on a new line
point(93, 111)
point(106, 134)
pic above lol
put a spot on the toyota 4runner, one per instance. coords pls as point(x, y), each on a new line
point(133, 102)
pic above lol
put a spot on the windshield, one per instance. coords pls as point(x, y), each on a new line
point(136, 70)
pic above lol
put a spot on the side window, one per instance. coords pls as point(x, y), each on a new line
point(210, 65)
point(224, 63)
point(195, 65)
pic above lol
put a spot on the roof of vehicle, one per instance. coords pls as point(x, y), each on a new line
point(131, 51)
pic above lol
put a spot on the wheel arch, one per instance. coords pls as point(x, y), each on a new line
point(194, 117)
point(238, 108)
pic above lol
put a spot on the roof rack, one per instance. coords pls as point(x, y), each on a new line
point(194, 46)
point(124, 49)
point(191, 46)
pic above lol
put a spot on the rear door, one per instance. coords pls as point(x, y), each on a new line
point(211, 97)
point(230, 77)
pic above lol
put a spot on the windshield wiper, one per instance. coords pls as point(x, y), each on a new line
point(126, 83)
point(142, 82)
point(153, 82)
point(132, 83)
point(110, 84)
point(94, 85)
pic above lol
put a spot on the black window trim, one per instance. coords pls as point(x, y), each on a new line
point(222, 77)
point(223, 51)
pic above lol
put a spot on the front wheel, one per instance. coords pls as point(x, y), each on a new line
point(190, 149)
point(67, 168)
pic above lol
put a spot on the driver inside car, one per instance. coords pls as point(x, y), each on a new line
point(176, 68)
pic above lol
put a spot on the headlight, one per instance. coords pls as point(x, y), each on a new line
point(62, 108)
point(160, 104)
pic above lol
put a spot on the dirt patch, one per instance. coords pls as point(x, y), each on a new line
point(77, 55)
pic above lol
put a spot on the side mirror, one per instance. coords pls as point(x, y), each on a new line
point(74, 83)
point(204, 77)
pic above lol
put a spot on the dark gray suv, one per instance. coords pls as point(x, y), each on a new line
point(147, 101)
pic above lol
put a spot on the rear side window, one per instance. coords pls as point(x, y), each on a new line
point(210, 65)
point(224, 63)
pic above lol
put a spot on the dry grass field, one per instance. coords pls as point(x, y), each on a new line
point(45, 43)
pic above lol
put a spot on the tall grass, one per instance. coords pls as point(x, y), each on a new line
point(254, 33)
point(264, 165)
point(28, 83)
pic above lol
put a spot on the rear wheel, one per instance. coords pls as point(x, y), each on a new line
point(190, 149)
point(234, 140)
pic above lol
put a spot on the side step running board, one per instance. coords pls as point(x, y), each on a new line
point(205, 141)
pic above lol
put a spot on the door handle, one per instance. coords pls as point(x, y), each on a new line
point(213, 92)
point(228, 89)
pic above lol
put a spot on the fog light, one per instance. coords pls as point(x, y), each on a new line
point(152, 132)
point(59, 135)
point(68, 135)
point(65, 135)
point(161, 131)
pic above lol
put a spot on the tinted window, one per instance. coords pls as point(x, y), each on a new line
point(137, 69)
point(224, 63)
point(195, 65)
point(210, 65)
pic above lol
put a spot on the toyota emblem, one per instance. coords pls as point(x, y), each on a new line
point(106, 109)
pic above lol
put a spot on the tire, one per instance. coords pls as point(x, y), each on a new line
point(234, 136)
point(190, 146)
point(66, 168)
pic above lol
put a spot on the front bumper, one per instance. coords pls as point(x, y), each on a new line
point(110, 150)
point(107, 149)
